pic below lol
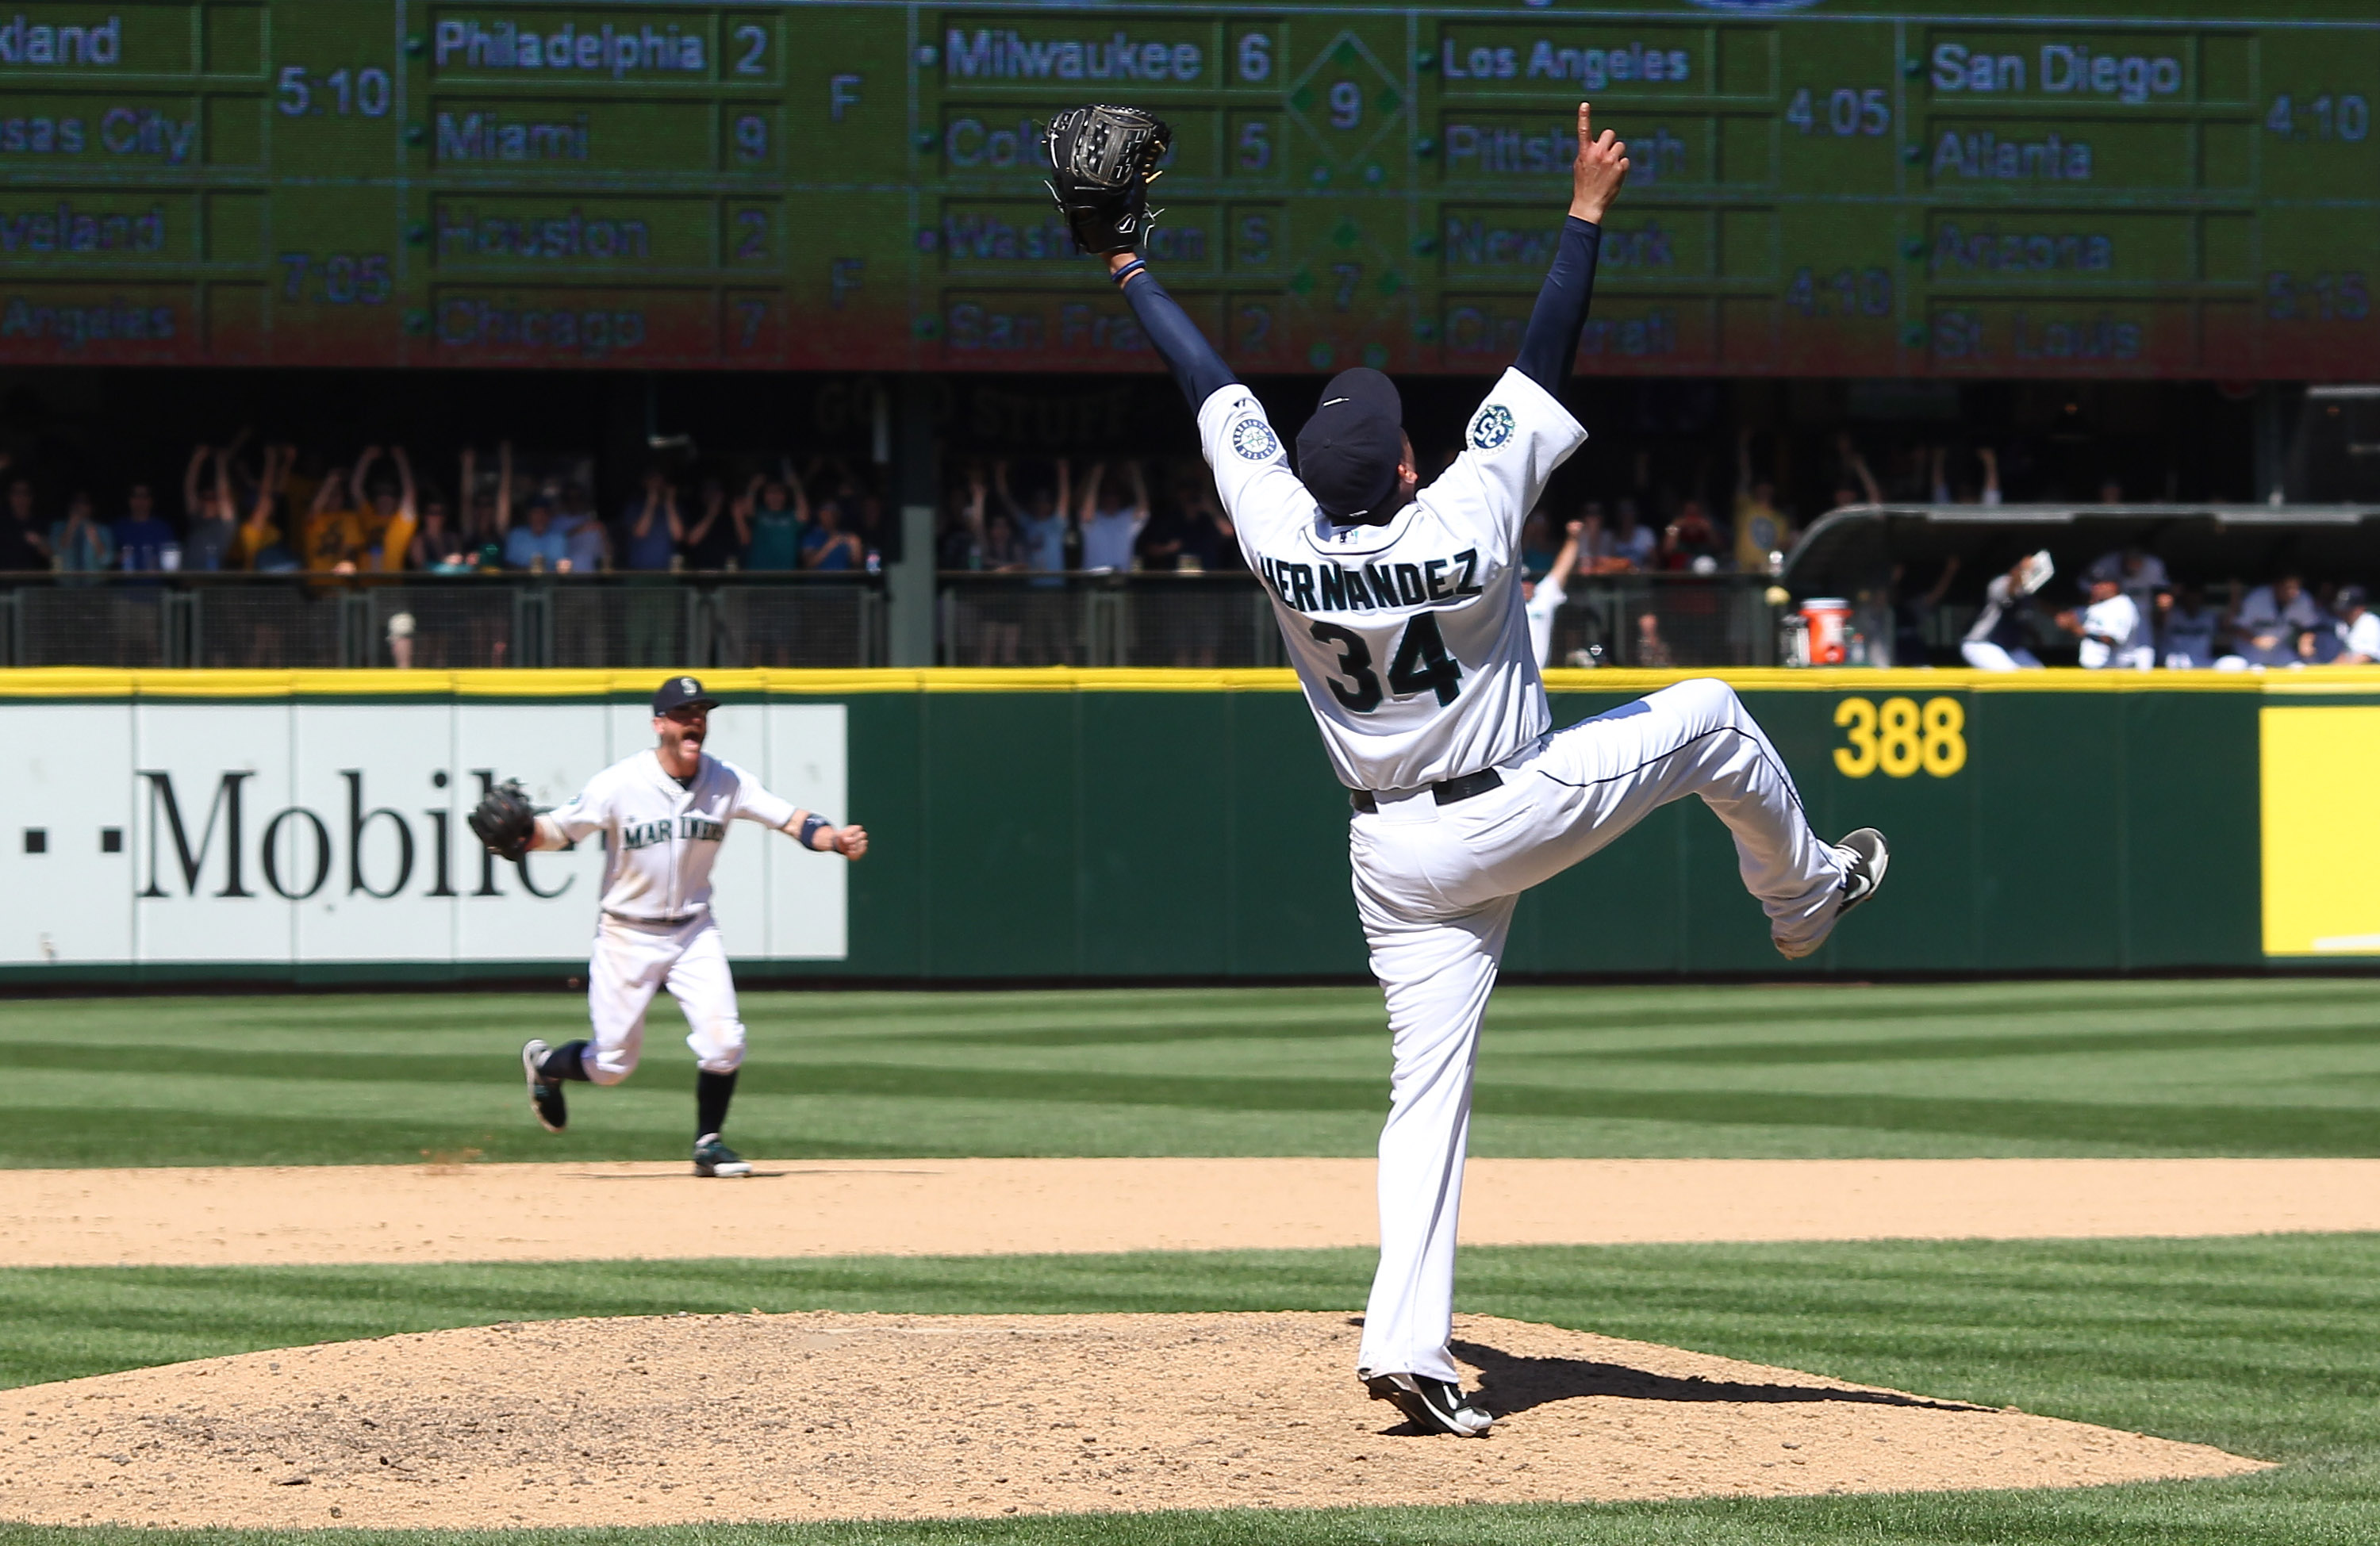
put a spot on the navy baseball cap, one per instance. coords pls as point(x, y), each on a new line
point(678, 692)
point(1347, 455)
point(2353, 596)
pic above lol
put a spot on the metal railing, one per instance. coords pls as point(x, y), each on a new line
point(290, 621)
point(284, 622)
point(1224, 620)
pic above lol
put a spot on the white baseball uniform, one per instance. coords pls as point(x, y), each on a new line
point(660, 839)
point(2112, 636)
point(1414, 654)
point(1539, 609)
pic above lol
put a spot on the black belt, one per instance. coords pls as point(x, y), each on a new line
point(1445, 793)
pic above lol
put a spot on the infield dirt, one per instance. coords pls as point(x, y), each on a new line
point(453, 1211)
point(768, 1417)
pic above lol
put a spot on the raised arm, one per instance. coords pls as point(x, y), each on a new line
point(1197, 368)
point(1550, 347)
point(1088, 505)
point(1566, 561)
point(1138, 477)
point(503, 486)
point(190, 481)
point(407, 504)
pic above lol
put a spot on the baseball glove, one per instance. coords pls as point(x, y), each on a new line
point(505, 821)
point(1101, 159)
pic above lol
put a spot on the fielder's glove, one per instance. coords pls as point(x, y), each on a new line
point(1101, 159)
point(505, 821)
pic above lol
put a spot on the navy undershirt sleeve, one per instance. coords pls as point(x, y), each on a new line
point(1551, 346)
point(1196, 366)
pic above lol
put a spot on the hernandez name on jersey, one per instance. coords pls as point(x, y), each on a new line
point(1408, 637)
point(662, 839)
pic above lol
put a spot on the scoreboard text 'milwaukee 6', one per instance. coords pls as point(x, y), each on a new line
point(1817, 190)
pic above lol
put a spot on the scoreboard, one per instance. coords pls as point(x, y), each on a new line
point(1821, 186)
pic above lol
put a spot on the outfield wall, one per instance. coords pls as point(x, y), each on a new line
point(1110, 825)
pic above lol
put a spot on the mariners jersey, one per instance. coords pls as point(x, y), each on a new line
point(1408, 637)
point(660, 838)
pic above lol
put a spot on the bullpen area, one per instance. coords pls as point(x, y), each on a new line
point(2035, 1261)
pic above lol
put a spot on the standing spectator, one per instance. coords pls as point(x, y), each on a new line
point(2359, 628)
point(260, 545)
point(1042, 525)
point(1997, 641)
point(79, 541)
point(716, 542)
point(587, 546)
point(777, 517)
point(331, 534)
point(1111, 527)
point(438, 547)
point(533, 544)
point(826, 546)
point(1537, 544)
point(1629, 545)
point(1540, 600)
point(1691, 542)
point(652, 528)
point(214, 539)
point(144, 542)
point(1652, 650)
point(1761, 533)
point(2140, 572)
point(2186, 629)
point(2110, 628)
point(24, 545)
point(1854, 483)
point(387, 517)
point(2270, 619)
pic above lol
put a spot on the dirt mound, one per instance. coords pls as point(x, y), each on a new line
point(684, 1419)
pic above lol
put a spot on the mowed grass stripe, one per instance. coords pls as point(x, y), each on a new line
point(2283, 1068)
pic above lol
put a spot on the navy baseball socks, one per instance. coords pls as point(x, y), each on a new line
point(711, 1093)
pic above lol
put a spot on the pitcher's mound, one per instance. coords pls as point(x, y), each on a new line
point(683, 1418)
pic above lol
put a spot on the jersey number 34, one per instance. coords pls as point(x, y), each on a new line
point(1420, 665)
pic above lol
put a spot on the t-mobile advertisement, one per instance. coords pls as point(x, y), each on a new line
point(279, 833)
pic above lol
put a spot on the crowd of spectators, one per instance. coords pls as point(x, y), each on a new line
point(285, 513)
point(2135, 618)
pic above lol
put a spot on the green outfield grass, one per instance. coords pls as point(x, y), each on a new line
point(2264, 1347)
point(2250, 1067)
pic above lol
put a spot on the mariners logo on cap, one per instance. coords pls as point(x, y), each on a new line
point(1491, 427)
point(1253, 438)
point(686, 684)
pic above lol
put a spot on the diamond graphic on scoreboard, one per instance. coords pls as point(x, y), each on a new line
point(1253, 438)
point(1490, 426)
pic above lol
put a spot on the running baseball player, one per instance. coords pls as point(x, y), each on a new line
point(663, 814)
point(1400, 606)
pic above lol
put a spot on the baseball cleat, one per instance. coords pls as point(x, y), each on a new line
point(1433, 1405)
point(713, 1158)
point(544, 1094)
point(1865, 860)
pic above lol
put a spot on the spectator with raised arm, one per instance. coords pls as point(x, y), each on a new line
point(652, 528)
point(716, 540)
point(330, 535)
point(1541, 600)
point(1110, 527)
point(391, 517)
point(1855, 483)
point(1041, 523)
point(213, 540)
point(1762, 534)
point(262, 544)
point(778, 514)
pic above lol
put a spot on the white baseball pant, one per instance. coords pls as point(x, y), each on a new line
point(631, 961)
point(1436, 887)
point(1986, 656)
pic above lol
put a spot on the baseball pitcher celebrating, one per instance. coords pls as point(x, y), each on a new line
point(1401, 610)
point(663, 814)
